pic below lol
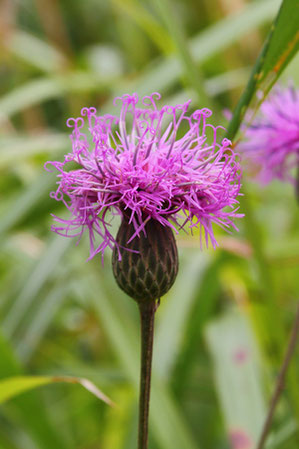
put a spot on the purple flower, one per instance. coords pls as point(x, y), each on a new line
point(272, 139)
point(147, 163)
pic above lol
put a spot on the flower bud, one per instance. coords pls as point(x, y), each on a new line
point(148, 265)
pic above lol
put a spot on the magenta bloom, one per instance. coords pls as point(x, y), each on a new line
point(272, 139)
point(148, 163)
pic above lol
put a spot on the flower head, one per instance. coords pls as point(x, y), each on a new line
point(146, 163)
point(272, 139)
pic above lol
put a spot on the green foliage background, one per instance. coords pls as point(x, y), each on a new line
point(222, 329)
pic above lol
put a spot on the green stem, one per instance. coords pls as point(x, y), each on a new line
point(147, 317)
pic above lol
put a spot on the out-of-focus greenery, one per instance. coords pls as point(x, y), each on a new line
point(222, 329)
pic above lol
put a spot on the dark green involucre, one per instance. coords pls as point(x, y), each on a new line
point(149, 273)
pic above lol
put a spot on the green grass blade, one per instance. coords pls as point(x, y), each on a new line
point(203, 306)
point(161, 78)
point(280, 46)
point(40, 274)
point(40, 320)
point(237, 375)
point(191, 72)
point(203, 46)
point(175, 311)
point(35, 51)
point(13, 386)
point(42, 89)
point(284, 43)
point(29, 414)
point(15, 150)
point(142, 18)
point(25, 201)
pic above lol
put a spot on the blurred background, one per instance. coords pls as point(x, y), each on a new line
point(222, 329)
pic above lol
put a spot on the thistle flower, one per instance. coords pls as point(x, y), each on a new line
point(157, 169)
point(146, 164)
point(272, 139)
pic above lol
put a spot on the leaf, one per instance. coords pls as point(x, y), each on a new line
point(41, 318)
point(42, 89)
point(177, 34)
point(16, 149)
point(203, 306)
point(280, 46)
point(175, 312)
point(144, 20)
point(237, 375)
point(35, 51)
point(42, 271)
point(30, 416)
point(281, 435)
point(13, 386)
point(26, 200)
point(164, 75)
point(214, 86)
point(204, 46)
point(284, 42)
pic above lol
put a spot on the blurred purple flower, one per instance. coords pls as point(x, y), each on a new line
point(149, 164)
point(240, 439)
point(272, 139)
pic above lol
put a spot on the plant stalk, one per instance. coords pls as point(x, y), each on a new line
point(280, 383)
point(147, 317)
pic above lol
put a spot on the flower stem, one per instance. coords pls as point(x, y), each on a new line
point(147, 317)
point(280, 381)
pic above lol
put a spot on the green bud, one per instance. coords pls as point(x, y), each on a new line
point(148, 272)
